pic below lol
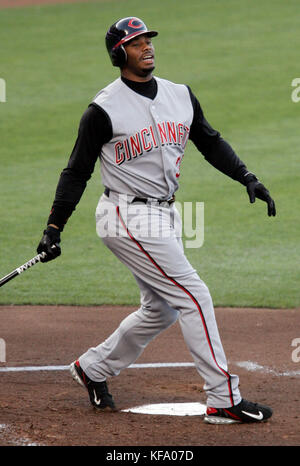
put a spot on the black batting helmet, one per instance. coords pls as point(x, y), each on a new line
point(121, 32)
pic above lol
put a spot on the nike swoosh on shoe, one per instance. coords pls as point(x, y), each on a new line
point(259, 416)
point(96, 399)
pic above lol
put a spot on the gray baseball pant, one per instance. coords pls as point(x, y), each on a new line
point(170, 290)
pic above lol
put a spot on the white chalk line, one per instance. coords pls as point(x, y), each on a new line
point(250, 366)
point(14, 440)
point(64, 368)
point(255, 367)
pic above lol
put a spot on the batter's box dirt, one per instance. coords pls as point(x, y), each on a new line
point(46, 407)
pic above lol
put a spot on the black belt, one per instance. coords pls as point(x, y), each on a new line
point(145, 199)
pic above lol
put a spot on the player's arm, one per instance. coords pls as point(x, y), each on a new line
point(221, 155)
point(94, 131)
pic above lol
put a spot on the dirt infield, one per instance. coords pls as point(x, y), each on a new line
point(46, 407)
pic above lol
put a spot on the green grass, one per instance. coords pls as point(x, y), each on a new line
point(240, 58)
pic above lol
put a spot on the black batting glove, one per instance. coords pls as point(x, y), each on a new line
point(256, 189)
point(50, 244)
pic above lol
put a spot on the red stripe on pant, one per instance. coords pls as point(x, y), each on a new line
point(188, 293)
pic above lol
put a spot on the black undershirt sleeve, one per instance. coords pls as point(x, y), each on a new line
point(214, 148)
point(94, 131)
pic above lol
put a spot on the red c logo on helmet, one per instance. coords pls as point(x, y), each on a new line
point(130, 23)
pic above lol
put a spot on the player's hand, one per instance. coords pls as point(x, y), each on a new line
point(256, 189)
point(50, 244)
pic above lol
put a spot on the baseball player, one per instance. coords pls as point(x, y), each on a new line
point(139, 126)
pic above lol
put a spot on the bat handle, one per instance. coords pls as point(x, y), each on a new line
point(31, 262)
point(22, 268)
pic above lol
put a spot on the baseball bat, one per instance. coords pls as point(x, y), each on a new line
point(22, 268)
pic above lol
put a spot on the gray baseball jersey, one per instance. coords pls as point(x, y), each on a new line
point(149, 137)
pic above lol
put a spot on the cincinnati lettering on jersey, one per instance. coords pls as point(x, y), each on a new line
point(147, 139)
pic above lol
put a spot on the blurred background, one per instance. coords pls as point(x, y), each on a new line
point(239, 58)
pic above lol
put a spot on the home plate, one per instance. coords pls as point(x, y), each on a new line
point(170, 409)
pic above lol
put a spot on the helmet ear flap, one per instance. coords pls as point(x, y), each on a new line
point(119, 56)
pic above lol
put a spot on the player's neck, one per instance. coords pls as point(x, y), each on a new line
point(127, 74)
point(146, 89)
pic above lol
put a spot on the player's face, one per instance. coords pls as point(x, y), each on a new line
point(140, 59)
